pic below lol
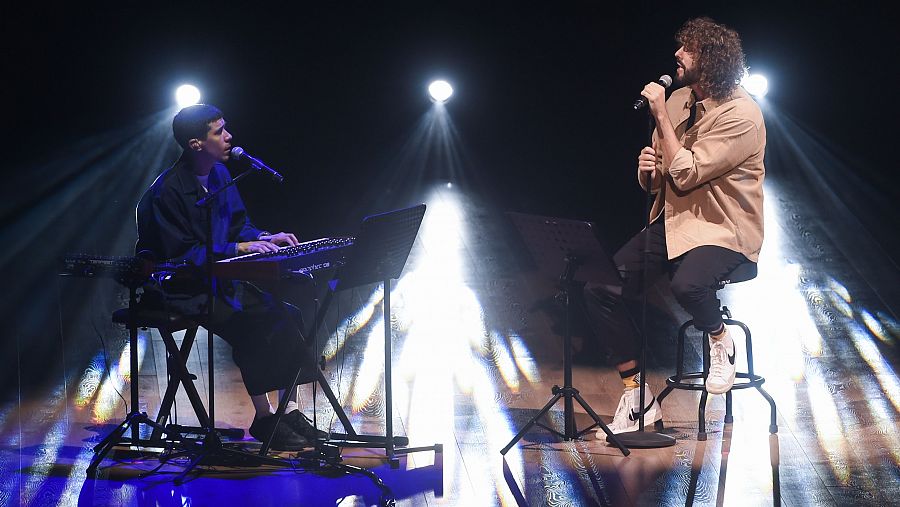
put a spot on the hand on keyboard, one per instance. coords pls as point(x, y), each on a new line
point(255, 247)
point(282, 238)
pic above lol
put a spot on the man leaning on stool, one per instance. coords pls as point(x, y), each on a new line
point(706, 169)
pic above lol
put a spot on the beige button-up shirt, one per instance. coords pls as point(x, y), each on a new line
point(712, 192)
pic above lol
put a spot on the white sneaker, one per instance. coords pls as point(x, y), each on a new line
point(626, 419)
point(721, 365)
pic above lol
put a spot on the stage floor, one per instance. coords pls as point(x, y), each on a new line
point(477, 350)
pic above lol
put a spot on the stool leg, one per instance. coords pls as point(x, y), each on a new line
point(181, 376)
point(665, 392)
point(701, 416)
point(728, 417)
point(773, 423)
point(658, 425)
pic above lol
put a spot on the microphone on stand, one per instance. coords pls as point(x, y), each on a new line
point(665, 81)
point(238, 153)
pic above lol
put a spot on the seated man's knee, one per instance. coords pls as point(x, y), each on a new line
point(687, 292)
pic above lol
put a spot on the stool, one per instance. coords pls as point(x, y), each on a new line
point(166, 323)
point(689, 380)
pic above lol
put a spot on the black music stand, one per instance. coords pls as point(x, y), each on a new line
point(378, 255)
point(556, 245)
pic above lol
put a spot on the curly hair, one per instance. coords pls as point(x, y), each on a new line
point(717, 50)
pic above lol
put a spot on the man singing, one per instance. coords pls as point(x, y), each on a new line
point(706, 169)
point(265, 336)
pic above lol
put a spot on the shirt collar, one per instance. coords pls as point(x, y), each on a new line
point(188, 180)
point(704, 106)
point(709, 103)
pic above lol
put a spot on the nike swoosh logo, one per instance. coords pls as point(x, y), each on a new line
point(731, 358)
point(635, 415)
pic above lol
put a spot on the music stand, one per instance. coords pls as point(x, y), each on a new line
point(379, 255)
point(555, 245)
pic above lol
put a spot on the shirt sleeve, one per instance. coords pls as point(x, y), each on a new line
point(725, 146)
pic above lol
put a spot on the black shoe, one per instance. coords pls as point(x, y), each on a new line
point(285, 438)
point(302, 425)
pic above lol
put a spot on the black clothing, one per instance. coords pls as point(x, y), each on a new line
point(694, 276)
point(286, 439)
point(266, 338)
point(301, 425)
point(172, 228)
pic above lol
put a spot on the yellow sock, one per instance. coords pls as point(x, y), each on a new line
point(631, 382)
point(720, 334)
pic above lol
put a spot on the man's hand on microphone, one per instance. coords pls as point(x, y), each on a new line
point(255, 247)
point(656, 98)
point(647, 161)
point(282, 238)
point(668, 143)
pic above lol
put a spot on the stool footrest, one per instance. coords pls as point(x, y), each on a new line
point(677, 382)
point(695, 380)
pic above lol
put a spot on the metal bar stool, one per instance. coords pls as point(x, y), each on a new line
point(176, 360)
point(696, 380)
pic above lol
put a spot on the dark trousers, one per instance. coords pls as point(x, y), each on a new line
point(266, 339)
point(266, 336)
point(694, 277)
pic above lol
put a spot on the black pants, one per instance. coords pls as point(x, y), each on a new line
point(694, 276)
point(266, 339)
point(266, 336)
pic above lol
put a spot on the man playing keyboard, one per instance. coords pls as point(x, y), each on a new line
point(267, 344)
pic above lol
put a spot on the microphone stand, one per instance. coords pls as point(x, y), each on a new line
point(211, 446)
point(206, 204)
point(641, 439)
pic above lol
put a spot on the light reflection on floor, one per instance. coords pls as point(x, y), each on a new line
point(830, 429)
point(445, 351)
point(786, 308)
point(111, 389)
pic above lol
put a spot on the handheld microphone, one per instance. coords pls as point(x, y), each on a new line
point(238, 153)
point(665, 81)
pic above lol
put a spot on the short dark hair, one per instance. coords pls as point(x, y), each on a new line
point(193, 122)
point(718, 52)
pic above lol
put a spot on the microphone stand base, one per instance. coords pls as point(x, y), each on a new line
point(644, 439)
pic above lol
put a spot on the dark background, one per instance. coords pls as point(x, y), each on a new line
point(329, 93)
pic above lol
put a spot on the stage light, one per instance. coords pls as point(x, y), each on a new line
point(440, 91)
point(755, 84)
point(187, 95)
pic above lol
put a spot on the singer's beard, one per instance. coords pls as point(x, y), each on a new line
point(687, 77)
